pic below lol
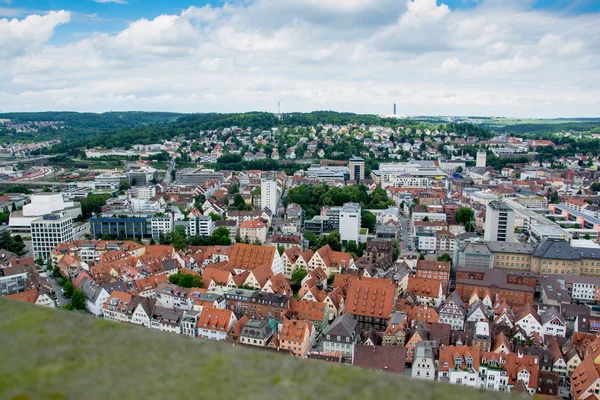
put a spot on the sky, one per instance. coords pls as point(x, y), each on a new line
point(514, 58)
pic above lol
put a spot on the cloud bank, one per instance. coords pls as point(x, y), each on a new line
point(346, 55)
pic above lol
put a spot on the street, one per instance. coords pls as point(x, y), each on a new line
point(405, 234)
point(60, 299)
point(80, 230)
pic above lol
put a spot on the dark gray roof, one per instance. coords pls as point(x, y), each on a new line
point(169, 265)
point(550, 314)
point(91, 290)
point(343, 326)
point(168, 315)
point(556, 249)
point(588, 253)
point(256, 329)
point(118, 286)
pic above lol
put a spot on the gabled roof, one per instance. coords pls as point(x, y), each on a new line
point(215, 319)
point(451, 357)
point(295, 331)
point(551, 314)
point(344, 326)
point(455, 299)
point(525, 310)
point(500, 340)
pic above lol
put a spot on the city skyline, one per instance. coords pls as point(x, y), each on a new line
point(534, 59)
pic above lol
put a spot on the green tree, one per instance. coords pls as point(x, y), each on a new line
point(421, 256)
point(368, 220)
point(220, 237)
point(587, 236)
point(280, 249)
point(186, 280)
point(7, 242)
point(124, 186)
point(180, 241)
point(444, 257)
point(56, 272)
point(334, 240)
point(395, 249)
point(69, 289)
point(466, 217)
point(595, 187)
point(351, 247)
point(93, 204)
point(78, 300)
point(152, 242)
point(298, 274)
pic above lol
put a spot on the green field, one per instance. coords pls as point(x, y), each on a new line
point(57, 354)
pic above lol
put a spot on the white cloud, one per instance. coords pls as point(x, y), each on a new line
point(351, 55)
point(16, 35)
point(111, 1)
point(421, 12)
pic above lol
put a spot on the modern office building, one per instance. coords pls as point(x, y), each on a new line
point(109, 181)
point(196, 176)
point(350, 219)
point(329, 175)
point(357, 169)
point(201, 225)
point(416, 173)
point(49, 231)
point(139, 226)
point(499, 223)
point(42, 204)
point(269, 197)
point(142, 176)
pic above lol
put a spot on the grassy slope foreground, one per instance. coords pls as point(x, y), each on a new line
point(57, 354)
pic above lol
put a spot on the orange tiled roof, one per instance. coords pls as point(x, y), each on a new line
point(295, 331)
point(250, 257)
point(371, 297)
point(215, 319)
point(29, 296)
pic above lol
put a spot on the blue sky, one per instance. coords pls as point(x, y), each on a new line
point(521, 58)
point(112, 17)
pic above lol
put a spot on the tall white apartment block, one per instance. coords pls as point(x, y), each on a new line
point(268, 194)
point(201, 225)
point(499, 222)
point(49, 231)
point(350, 219)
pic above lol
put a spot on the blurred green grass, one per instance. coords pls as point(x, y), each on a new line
point(57, 354)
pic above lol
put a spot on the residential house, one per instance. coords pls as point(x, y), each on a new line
point(342, 335)
point(214, 323)
point(371, 301)
point(453, 312)
point(459, 365)
point(296, 336)
point(424, 366)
